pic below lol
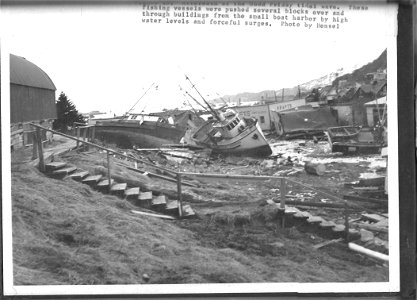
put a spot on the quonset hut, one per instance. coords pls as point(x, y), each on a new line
point(32, 99)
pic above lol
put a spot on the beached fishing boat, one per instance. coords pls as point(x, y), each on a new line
point(226, 133)
point(229, 134)
point(140, 130)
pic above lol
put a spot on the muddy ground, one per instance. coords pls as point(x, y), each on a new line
point(235, 236)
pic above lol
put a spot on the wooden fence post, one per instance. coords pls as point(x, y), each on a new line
point(40, 149)
point(34, 146)
point(93, 133)
point(283, 190)
point(179, 194)
point(347, 221)
point(85, 137)
point(108, 169)
point(78, 135)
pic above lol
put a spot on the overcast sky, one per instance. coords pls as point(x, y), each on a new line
point(104, 58)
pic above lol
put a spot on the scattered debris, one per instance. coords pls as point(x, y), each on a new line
point(152, 215)
point(326, 243)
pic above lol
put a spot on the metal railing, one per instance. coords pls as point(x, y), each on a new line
point(179, 175)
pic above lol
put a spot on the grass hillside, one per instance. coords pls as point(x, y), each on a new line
point(64, 232)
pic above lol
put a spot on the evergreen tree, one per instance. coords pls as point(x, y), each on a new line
point(67, 114)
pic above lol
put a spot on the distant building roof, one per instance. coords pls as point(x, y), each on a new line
point(24, 72)
point(379, 101)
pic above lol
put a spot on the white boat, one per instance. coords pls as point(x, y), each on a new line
point(229, 134)
point(226, 133)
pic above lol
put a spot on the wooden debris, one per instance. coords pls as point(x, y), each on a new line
point(373, 217)
point(373, 227)
point(326, 243)
point(152, 215)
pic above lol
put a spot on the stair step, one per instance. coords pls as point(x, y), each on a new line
point(64, 171)
point(187, 211)
point(92, 179)
point(143, 200)
point(315, 220)
point(172, 205)
point(327, 224)
point(104, 183)
point(302, 215)
point(79, 175)
point(145, 196)
point(291, 210)
point(132, 192)
point(54, 165)
point(338, 228)
point(159, 200)
point(118, 189)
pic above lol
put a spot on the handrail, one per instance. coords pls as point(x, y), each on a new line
point(105, 149)
point(260, 178)
point(283, 180)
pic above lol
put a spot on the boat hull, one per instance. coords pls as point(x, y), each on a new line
point(250, 142)
point(143, 136)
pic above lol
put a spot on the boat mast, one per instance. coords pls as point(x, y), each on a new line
point(214, 113)
point(127, 113)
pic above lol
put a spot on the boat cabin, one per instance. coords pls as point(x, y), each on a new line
point(231, 125)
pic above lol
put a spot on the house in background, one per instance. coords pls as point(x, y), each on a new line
point(376, 112)
point(263, 112)
point(32, 99)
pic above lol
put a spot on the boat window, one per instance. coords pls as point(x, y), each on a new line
point(262, 119)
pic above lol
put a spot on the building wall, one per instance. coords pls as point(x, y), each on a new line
point(263, 112)
point(30, 104)
point(21, 134)
point(344, 115)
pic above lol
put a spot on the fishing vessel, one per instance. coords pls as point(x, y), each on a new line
point(140, 130)
point(226, 133)
point(145, 130)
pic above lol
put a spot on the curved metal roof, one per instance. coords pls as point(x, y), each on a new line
point(26, 73)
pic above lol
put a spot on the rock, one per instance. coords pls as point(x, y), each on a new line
point(315, 169)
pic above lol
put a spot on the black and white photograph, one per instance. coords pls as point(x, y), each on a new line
point(199, 148)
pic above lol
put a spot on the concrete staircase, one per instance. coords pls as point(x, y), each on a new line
point(145, 199)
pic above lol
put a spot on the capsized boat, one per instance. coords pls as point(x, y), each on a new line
point(227, 133)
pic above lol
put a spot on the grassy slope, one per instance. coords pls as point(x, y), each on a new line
point(66, 233)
